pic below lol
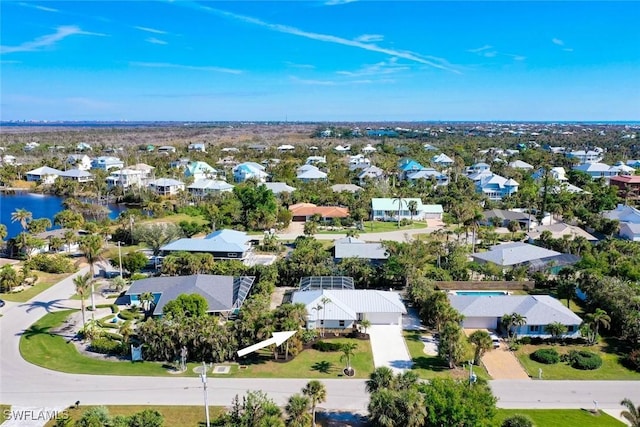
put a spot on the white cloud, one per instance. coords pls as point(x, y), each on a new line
point(337, 2)
point(327, 38)
point(480, 49)
point(48, 40)
point(568, 49)
point(185, 67)
point(37, 6)
point(295, 65)
point(367, 38)
point(557, 41)
point(381, 68)
point(154, 40)
point(150, 30)
point(313, 82)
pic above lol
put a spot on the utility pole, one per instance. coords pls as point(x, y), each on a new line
point(120, 258)
point(203, 377)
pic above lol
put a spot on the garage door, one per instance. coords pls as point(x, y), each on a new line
point(480, 323)
point(384, 318)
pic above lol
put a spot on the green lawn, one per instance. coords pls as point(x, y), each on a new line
point(433, 366)
point(42, 348)
point(45, 281)
point(381, 226)
point(561, 417)
point(175, 416)
point(611, 369)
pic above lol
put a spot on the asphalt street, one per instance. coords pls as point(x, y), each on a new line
point(23, 384)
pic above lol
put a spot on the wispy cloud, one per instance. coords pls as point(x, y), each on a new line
point(315, 82)
point(37, 6)
point(488, 51)
point(568, 49)
point(557, 41)
point(154, 40)
point(295, 65)
point(368, 38)
point(337, 2)
point(185, 67)
point(381, 68)
point(48, 40)
point(327, 38)
point(481, 49)
point(150, 30)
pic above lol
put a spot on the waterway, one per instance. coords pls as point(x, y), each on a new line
point(41, 206)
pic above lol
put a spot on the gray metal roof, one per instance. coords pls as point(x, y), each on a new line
point(211, 184)
point(223, 293)
point(352, 188)
point(515, 253)
point(346, 304)
point(538, 309)
point(279, 187)
point(218, 241)
point(360, 249)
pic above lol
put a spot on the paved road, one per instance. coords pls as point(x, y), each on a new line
point(27, 385)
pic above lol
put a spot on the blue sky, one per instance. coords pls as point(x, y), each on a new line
point(334, 60)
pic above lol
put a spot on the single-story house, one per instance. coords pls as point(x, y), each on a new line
point(519, 164)
point(222, 244)
point(310, 173)
point(350, 247)
point(485, 312)
point(224, 294)
point(386, 209)
point(504, 217)
point(346, 307)
point(559, 230)
point(597, 170)
point(200, 170)
point(43, 174)
point(623, 213)
point(305, 211)
point(428, 174)
point(77, 175)
point(516, 254)
point(372, 173)
point(442, 160)
point(279, 187)
point(350, 188)
point(202, 187)
point(630, 231)
point(198, 146)
point(249, 170)
point(166, 186)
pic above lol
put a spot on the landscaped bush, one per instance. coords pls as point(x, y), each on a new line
point(104, 345)
point(55, 264)
point(130, 315)
point(525, 340)
point(548, 356)
point(114, 307)
point(326, 346)
point(309, 335)
point(517, 420)
point(584, 360)
point(632, 361)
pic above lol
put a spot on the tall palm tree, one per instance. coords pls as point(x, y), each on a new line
point(379, 379)
point(400, 200)
point(22, 216)
point(324, 301)
point(317, 392)
point(594, 320)
point(481, 341)
point(348, 351)
point(82, 287)
point(517, 320)
point(91, 246)
point(412, 205)
point(298, 410)
point(382, 408)
point(632, 413)
point(148, 300)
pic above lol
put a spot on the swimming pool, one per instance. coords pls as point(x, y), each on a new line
point(481, 293)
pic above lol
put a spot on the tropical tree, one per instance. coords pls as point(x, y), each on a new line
point(593, 321)
point(556, 330)
point(147, 299)
point(631, 414)
point(22, 216)
point(379, 379)
point(412, 205)
point(39, 225)
point(365, 324)
point(310, 228)
point(317, 392)
point(155, 236)
point(453, 346)
point(481, 341)
point(297, 408)
point(91, 246)
point(348, 351)
point(9, 278)
point(399, 199)
point(82, 282)
point(511, 323)
point(3, 232)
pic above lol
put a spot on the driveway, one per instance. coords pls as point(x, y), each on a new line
point(502, 364)
point(388, 347)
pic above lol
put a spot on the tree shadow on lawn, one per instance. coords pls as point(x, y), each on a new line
point(323, 367)
point(34, 331)
point(431, 363)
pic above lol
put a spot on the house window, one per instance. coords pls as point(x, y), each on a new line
point(322, 323)
point(534, 328)
point(341, 323)
point(571, 328)
point(232, 255)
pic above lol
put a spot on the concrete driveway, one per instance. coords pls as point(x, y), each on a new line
point(388, 347)
point(502, 364)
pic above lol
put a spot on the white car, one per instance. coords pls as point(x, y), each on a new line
point(495, 340)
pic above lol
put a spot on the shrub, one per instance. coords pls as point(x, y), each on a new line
point(525, 340)
point(326, 346)
point(517, 420)
point(632, 361)
point(548, 356)
point(309, 336)
point(584, 360)
point(114, 307)
point(104, 345)
point(55, 264)
point(130, 315)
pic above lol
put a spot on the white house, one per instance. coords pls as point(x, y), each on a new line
point(515, 254)
point(200, 170)
point(630, 231)
point(494, 186)
point(202, 187)
point(587, 156)
point(386, 209)
point(485, 312)
point(347, 307)
point(285, 147)
point(249, 170)
point(369, 149)
point(372, 173)
point(597, 170)
point(279, 187)
point(43, 174)
point(316, 160)
point(80, 161)
point(125, 178)
point(310, 173)
point(76, 175)
point(166, 149)
point(519, 164)
point(200, 147)
point(107, 163)
point(166, 186)
point(442, 160)
point(83, 146)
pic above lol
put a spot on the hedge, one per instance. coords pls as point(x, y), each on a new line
point(584, 360)
point(104, 345)
point(326, 346)
point(548, 356)
point(114, 307)
point(130, 315)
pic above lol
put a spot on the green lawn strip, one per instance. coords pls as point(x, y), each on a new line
point(175, 219)
point(308, 364)
point(45, 281)
point(432, 366)
point(174, 416)
point(42, 348)
point(3, 411)
point(382, 226)
point(561, 417)
point(611, 369)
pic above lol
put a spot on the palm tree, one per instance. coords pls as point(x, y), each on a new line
point(400, 200)
point(481, 341)
point(594, 320)
point(22, 216)
point(412, 205)
point(148, 300)
point(91, 246)
point(298, 409)
point(510, 322)
point(379, 379)
point(556, 330)
point(82, 287)
point(632, 413)
point(382, 408)
point(126, 331)
point(348, 352)
point(324, 300)
point(317, 392)
point(366, 324)
point(406, 380)
point(517, 321)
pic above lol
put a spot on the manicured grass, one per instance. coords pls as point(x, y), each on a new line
point(611, 369)
point(175, 416)
point(40, 347)
point(381, 226)
point(45, 281)
point(175, 219)
point(433, 366)
point(3, 408)
point(561, 417)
